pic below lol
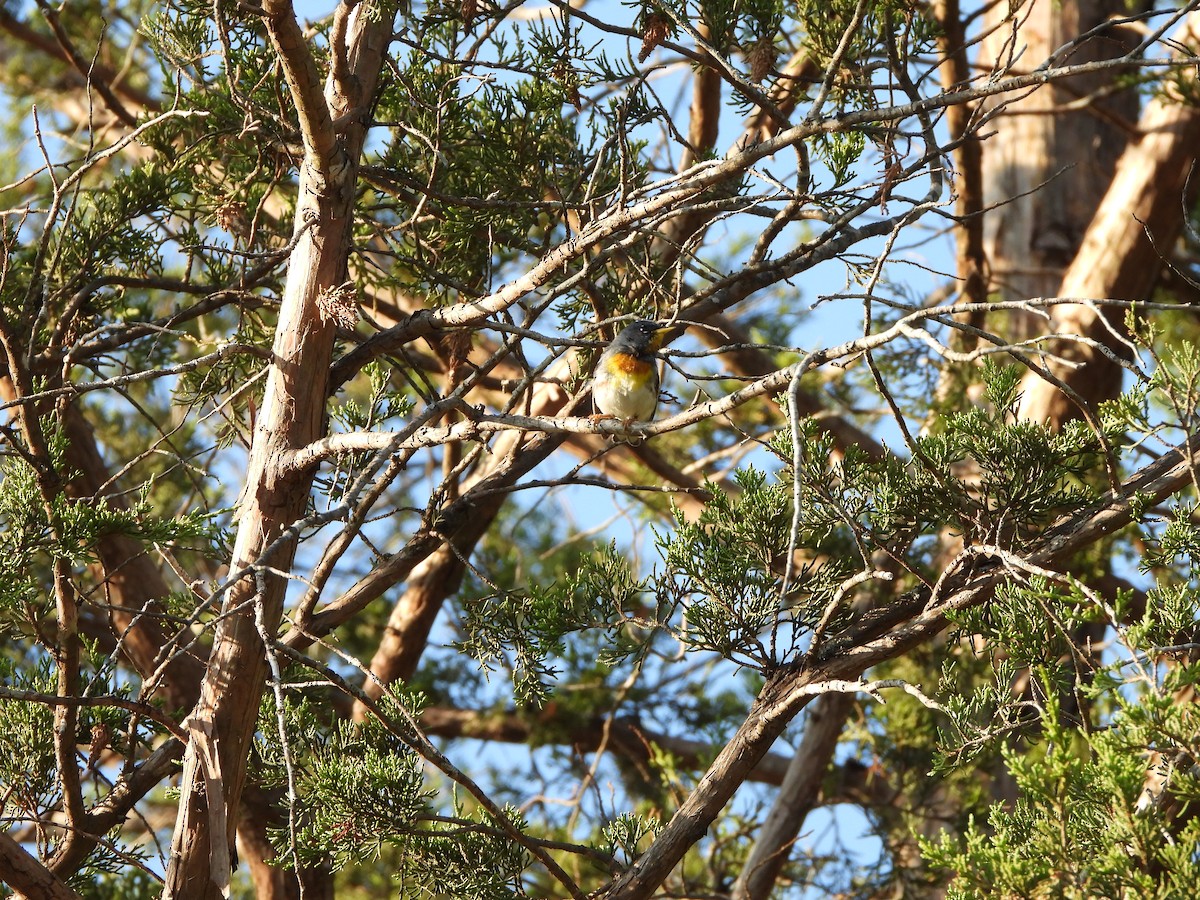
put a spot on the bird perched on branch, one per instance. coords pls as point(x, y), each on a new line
point(626, 385)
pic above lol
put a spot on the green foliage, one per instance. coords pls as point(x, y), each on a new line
point(24, 534)
point(360, 783)
point(1076, 742)
point(985, 475)
point(530, 151)
point(840, 152)
point(27, 763)
point(382, 406)
point(178, 33)
point(728, 567)
point(360, 793)
point(34, 535)
point(71, 529)
point(530, 623)
point(1179, 541)
point(1169, 617)
point(1073, 831)
point(112, 231)
point(1024, 473)
point(626, 833)
point(117, 879)
point(115, 870)
point(80, 525)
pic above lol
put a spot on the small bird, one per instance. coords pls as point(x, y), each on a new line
point(626, 385)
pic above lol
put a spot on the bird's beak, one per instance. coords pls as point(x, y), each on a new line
point(660, 336)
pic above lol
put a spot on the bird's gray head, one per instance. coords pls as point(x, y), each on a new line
point(642, 338)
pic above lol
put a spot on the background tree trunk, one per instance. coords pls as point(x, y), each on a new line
point(1053, 152)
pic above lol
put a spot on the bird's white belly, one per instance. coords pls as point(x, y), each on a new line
point(625, 401)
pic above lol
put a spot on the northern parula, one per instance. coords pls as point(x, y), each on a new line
point(626, 385)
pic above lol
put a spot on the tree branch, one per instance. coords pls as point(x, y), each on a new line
point(797, 797)
point(876, 637)
point(304, 83)
point(29, 877)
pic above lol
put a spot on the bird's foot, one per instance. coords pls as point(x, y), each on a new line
point(634, 437)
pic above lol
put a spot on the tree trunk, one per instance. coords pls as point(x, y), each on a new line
point(1046, 167)
point(293, 415)
point(1122, 253)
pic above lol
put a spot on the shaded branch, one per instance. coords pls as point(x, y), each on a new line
point(99, 73)
point(86, 69)
point(29, 877)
